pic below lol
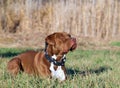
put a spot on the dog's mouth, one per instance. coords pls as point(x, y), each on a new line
point(73, 44)
point(73, 47)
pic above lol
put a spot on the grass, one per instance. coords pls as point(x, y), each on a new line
point(115, 43)
point(85, 69)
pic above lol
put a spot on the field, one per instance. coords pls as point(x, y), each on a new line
point(24, 25)
point(85, 69)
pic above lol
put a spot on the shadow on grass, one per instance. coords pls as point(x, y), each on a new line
point(10, 52)
point(88, 72)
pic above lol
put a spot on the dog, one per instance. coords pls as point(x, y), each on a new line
point(47, 63)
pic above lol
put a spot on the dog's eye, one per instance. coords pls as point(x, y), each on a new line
point(69, 35)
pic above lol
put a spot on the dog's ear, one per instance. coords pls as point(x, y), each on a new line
point(50, 39)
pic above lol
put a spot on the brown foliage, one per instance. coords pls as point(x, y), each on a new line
point(97, 19)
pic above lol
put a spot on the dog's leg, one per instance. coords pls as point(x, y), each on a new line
point(14, 66)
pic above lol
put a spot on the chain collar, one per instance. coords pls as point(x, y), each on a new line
point(52, 60)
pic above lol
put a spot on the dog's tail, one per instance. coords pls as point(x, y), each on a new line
point(14, 66)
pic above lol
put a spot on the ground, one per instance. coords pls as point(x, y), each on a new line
point(85, 69)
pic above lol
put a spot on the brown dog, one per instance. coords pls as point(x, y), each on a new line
point(45, 63)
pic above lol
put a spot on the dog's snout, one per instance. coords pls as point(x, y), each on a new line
point(74, 40)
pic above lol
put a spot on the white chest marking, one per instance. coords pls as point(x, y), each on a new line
point(59, 73)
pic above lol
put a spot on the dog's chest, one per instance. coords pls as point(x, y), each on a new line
point(58, 73)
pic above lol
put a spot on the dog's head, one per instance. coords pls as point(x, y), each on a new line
point(60, 42)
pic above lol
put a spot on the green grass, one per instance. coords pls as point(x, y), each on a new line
point(115, 43)
point(85, 68)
